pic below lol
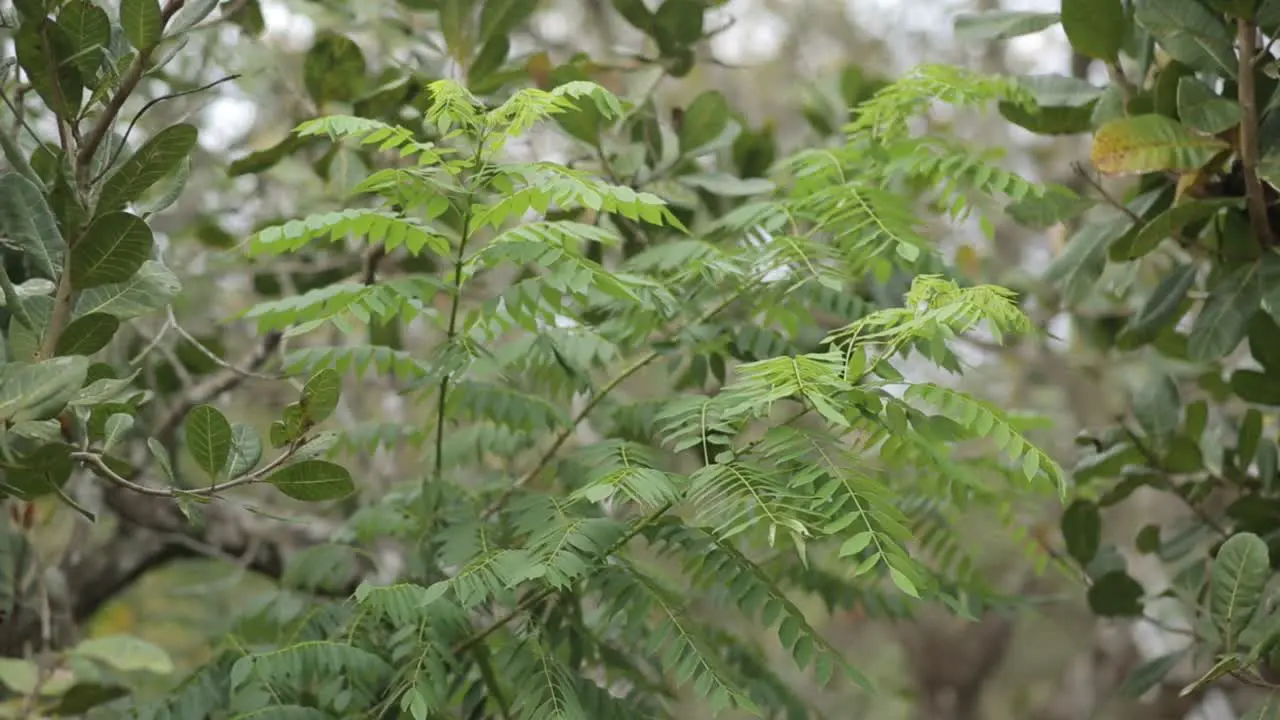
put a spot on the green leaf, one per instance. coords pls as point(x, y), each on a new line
point(40, 390)
point(1150, 674)
point(118, 425)
point(150, 289)
point(142, 22)
point(161, 455)
point(1190, 33)
point(1255, 387)
point(334, 69)
point(1095, 28)
point(1268, 709)
point(45, 51)
point(488, 61)
point(1115, 594)
point(1001, 24)
point(1223, 321)
point(636, 13)
point(726, 185)
point(1151, 143)
point(87, 335)
point(246, 450)
point(455, 25)
point(39, 473)
point(1080, 265)
point(208, 438)
point(192, 12)
point(1172, 220)
point(320, 395)
point(113, 248)
point(125, 653)
point(1250, 436)
point(1237, 580)
point(500, 17)
point(705, 119)
point(677, 24)
point(1202, 109)
point(158, 157)
point(1165, 305)
point(26, 220)
point(1082, 531)
point(1056, 205)
point(1045, 120)
point(1158, 406)
point(313, 480)
point(89, 29)
point(1264, 342)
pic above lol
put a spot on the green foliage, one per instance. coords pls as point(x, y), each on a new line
point(1173, 274)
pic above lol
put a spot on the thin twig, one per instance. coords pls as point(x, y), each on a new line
point(1111, 200)
point(103, 470)
point(173, 322)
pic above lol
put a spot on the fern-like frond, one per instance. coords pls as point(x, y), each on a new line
point(885, 115)
point(402, 297)
point(374, 226)
point(613, 466)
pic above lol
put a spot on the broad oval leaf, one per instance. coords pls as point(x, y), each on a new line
point(150, 289)
point(208, 436)
point(499, 17)
point(1160, 310)
point(1151, 143)
point(1190, 33)
point(704, 121)
point(313, 480)
point(46, 52)
point(159, 156)
point(113, 248)
point(321, 394)
point(1256, 387)
point(1203, 110)
point(1223, 321)
point(1171, 221)
point(1095, 28)
point(246, 450)
point(1238, 578)
point(1002, 24)
point(142, 22)
point(126, 653)
point(1115, 594)
point(1082, 531)
point(40, 390)
point(89, 30)
point(26, 219)
point(334, 69)
point(87, 335)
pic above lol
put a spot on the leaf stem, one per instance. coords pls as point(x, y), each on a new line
point(1247, 94)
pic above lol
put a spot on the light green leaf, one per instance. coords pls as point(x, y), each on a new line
point(161, 455)
point(192, 12)
point(1161, 308)
point(1157, 405)
point(246, 450)
point(1150, 674)
point(158, 157)
point(726, 185)
point(112, 249)
point(1095, 28)
point(1002, 24)
point(40, 390)
point(125, 653)
point(1237, 580)
point(25, 219)
point(118, 425)
point(142, 22)
point(320, 395)
point(150, 289)
point(1080, 265)
point(313, 480)
point(208, 438)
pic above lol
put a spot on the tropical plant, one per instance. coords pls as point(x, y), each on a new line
point(559, 521)
point(1174, 270)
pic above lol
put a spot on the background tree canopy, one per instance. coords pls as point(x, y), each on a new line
point(637, 359)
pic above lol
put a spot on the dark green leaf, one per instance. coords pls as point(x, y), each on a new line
point(150, 289)
point(1240, 573)
point(1148, 540)
point(1157, 407)
point(1001, 24)
point(456, 26)
point(334, 69)
point(1095, 28)
point(1163, 308)
point(89, 29)
point(26, 220)
point(1171, 221)
point(1223, 320)
point(500, 17)
point(1078, 268)
point(1190, 33)
point(1082, 531)
point(39, 472)
point(488, 61)
point(1150, 674)
point(1256, 387)
point(158, 157)
point(636, 13)
point(678, 24)
point(313, 480)
point(267, 158)
point(1250, 436)
point(704, 121)
point(1115, 594)
point(87, 334)
point(208, 438)
point(46, 52)
point(1200, 108)
point(1264, 342)
point(113, 248)
point(39, 391)
point(1057, 205)
point(142, 22)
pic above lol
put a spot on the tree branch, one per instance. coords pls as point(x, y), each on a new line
point(1247, 94)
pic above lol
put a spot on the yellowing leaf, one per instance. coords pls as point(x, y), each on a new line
point(1150, 143)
